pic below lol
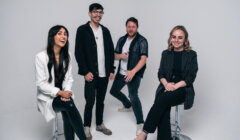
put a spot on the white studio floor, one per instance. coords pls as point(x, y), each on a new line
point(30, 124)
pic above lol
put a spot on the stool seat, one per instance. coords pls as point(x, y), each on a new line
point(177, 130)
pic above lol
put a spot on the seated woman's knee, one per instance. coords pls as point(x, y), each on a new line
point(69, 105)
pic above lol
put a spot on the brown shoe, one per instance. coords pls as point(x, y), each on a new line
point(88, 133)
point(102, 128)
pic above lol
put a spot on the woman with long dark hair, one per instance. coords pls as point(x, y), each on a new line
point(177, 72)
point(54, 82)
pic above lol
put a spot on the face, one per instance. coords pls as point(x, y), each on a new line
point(61, 38)
point(96, 15)
point(131, 29)
point(177, 40)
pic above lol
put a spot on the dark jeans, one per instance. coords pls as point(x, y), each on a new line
point(97, 88)
point(133, 86)
point(159, 114)
point(72, 121)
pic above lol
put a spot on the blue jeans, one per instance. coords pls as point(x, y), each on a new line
point(134, 101)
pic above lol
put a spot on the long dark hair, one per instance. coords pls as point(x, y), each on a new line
point(64, 57)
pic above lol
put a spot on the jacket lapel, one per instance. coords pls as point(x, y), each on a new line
point(90, 31)
point(123, 42)
point(170, 61)
point(104, 38)
point(134, 41)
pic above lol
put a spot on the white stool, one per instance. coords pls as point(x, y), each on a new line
point(176, 132)
point(55, 129)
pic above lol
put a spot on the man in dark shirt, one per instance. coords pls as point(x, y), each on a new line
point(94, 52)
point(132, 52)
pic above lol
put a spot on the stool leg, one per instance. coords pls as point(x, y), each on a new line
point(177, 128)
point(178, 122)
point(177, 132)
point(55, 129)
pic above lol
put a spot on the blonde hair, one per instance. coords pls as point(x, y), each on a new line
point(186, 44)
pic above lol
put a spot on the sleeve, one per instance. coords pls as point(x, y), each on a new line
point(117, 49)
point(111, 51)
point(80, 52)
point(161, 71)
point(42, 79)
point(192, 70)
point(144, 47)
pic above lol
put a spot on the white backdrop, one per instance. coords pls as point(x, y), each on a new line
point(213, 26)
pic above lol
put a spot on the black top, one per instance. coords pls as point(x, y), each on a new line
point(58, 79)
point(177, 64)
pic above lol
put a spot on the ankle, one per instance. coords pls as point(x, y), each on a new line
point(144, 133)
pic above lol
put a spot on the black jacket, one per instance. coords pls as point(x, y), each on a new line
point(189, 72)
point(86, 51)
point(138, 47)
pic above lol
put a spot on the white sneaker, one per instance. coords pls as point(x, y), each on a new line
point(139, 129)
point(124, 109)
point(88, 133)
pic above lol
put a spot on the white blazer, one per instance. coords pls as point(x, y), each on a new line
point(46, 91)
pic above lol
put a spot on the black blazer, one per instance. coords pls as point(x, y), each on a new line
point(189, 72)
point(86, 51)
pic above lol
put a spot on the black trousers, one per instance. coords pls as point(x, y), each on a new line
point(95, 89)
point(72, 121)
point(159, 114)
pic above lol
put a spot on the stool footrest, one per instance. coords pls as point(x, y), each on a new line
point(181, 137)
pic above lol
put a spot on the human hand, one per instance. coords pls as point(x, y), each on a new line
point(65, 94)
point(170, 87)
point(89, 77)
point(65, 99)
point(176, 86)
point(111, 76)
point(129, 75)
point(124, 56)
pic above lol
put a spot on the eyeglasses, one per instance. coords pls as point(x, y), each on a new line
point(97, 12)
